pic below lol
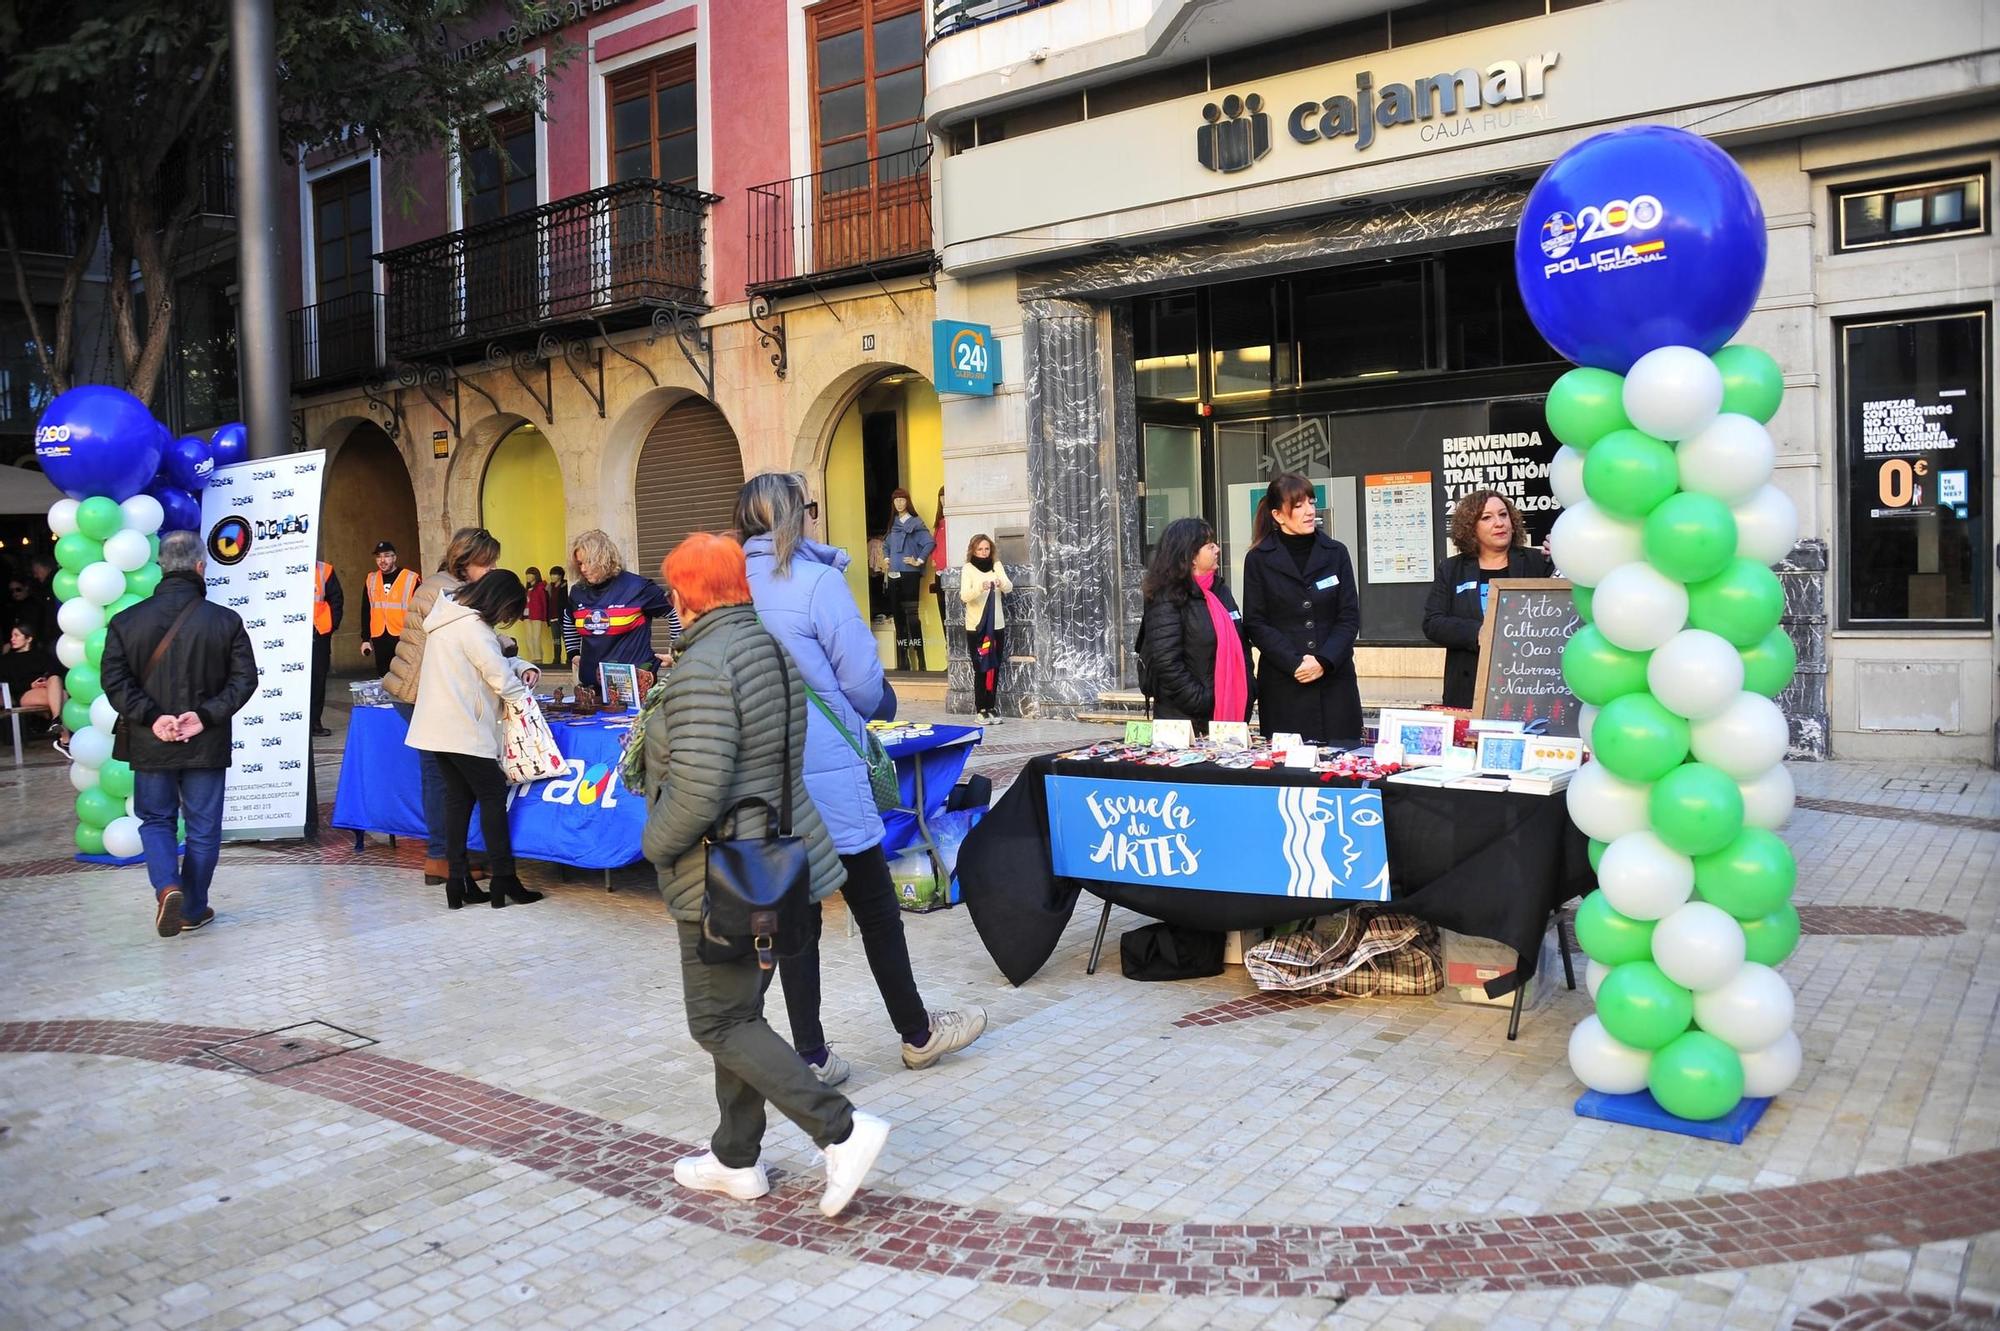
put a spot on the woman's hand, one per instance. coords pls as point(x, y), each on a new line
point(1309, 670)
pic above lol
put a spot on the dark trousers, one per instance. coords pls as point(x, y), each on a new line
point(385, 652)
point(871, 895)
point(190, 795)
point(753, 1067)
point(322, 662)
point(904, 592)
point(985, 696)
point(432, 795)
point(468, 779)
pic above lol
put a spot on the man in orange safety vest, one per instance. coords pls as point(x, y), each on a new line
point(389, 592)
point(328, 604)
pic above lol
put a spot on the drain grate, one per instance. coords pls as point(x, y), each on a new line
point(1913, 786)
point(289, 1046)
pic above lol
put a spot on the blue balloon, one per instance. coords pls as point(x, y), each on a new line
point(230, 445)
point(1638, 239)
point(182, 510)
point(188, 464)
point(98, 440)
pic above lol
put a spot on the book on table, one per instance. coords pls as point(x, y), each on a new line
point(1541, 780)
point(1477, 782)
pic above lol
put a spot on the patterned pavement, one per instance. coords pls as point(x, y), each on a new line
point(1111, 1154)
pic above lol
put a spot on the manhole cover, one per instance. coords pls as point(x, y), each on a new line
point(289, 1046)
point(1911, 785)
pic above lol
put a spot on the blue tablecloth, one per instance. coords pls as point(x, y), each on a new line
point(585, 817)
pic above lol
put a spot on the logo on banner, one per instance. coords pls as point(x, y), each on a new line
point(229, 540)
point(593, 785)
point(1610, 221)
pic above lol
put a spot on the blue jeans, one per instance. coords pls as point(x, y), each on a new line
point(433, 793)
point(193, 795)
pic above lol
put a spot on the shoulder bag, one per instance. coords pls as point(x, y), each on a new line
point(528, 749)
point(121, 733)
point(883, 782)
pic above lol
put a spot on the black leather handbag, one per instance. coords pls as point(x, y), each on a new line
point(757, 889)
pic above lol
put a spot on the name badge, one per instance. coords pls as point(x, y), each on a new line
point(1330, 580)
point(1236, 614)
point(1465, 586)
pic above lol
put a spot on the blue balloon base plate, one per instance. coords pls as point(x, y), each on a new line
point(116, 861)
point(1641, 1110)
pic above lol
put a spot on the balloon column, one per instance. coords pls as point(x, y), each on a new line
point(1639, 255)
point(124, 478)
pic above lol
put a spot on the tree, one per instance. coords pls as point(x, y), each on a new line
point(117, 105)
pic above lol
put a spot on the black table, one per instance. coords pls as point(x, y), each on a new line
point(1488, 863)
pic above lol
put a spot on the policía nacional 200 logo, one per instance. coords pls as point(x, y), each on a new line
point(229, 540)
point(1614, 221)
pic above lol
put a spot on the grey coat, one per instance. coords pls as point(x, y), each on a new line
point(716, 738)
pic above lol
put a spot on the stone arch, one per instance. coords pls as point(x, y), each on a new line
point(611, 487)
point(368, 496)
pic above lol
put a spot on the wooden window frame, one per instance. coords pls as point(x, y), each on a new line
point(503, 126)
point(649, 77)
point(835, 18)
point(321, 191)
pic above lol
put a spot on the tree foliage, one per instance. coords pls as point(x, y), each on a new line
point(121, 116)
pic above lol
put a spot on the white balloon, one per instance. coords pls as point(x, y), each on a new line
point(1752, 1011)
point(127, 550)
point(1730, 460)
point(1602, 1063)
point(131, 806)
point(1673, 392)
point(1638, 607)
point(1699, 946)
point(1587, 543)
point(1768, 798)
point(1586, 717)
point(1695, 674)
point(1594, 972)
point(62, 516)
point(1643, 877)
point(1605, 807)
point(103, 713)
point(90, 746)
point(80, 616)
point(1745, 739)
point(143, 514)
point(69, 650)
point(1772, 1070)
point(1566, 476)
point(121, 837)
point(83, 778)
point(1767, 525)
point(100, 583)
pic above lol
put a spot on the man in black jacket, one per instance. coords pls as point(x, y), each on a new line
point(177, 668)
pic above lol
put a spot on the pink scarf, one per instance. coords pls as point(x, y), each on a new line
point(1232, 682)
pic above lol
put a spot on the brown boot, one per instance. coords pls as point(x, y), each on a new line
point(435, 872)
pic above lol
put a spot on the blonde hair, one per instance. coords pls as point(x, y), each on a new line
point(774, 502)
point(597, 556)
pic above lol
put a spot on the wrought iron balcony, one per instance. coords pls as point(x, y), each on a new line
point(604, 259)
point(949, 16)
point(335, 340)
point(869, 219)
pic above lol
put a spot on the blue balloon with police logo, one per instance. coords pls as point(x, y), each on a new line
point(229, 445)
point(189, 463)
point(1638, 239)
point(98, 440)
point(182, 510)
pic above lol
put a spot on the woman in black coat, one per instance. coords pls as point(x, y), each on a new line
point(1491, 543)
point(1303, 614)
point(1179, 646)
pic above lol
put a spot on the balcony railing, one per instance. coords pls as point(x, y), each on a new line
point(949, 16)
point(335, 339)
point(592, 258)
point(873, 217)
point(209, 176)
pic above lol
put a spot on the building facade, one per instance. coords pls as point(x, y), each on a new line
point(1222, 238)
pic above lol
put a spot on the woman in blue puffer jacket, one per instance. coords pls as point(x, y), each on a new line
point(802, 596)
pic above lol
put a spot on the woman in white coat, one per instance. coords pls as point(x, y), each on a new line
point(981, 584)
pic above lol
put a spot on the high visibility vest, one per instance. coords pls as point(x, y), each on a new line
point(388, 605)
point(322, 612)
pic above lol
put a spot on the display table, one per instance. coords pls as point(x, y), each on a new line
point(1493, 864)
point(585, 818)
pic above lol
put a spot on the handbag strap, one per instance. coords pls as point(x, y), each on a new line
point(812, 696)
point(166, 641)
point(785, 792)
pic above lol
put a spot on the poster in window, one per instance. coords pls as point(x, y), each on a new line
point(1402, 526)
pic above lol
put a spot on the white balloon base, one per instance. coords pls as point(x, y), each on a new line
point(121, 861)
point(1641, 1110)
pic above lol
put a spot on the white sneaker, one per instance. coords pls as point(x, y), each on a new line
point(848, 1162)
point(950, 1031)
point(705, 1173)
point(832, 1072)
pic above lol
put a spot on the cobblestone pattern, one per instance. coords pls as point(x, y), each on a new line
point(1896, 1312)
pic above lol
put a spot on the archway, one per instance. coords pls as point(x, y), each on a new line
point(367, 499)
point(890, 436)
point(685, 480)
point(521, 501)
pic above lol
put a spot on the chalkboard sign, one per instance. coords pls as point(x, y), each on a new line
point(1528, 622)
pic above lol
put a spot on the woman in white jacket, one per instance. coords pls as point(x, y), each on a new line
point(981, 584)
point(466, 679)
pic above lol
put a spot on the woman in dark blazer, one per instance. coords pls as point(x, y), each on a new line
point(1181, 641)
point(1491, 543)
point(1303, 614)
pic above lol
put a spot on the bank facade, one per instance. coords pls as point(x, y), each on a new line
point(1217, 240)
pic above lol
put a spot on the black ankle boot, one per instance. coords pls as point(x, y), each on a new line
point(473, 895)
point(507, 887)
point(456, 892)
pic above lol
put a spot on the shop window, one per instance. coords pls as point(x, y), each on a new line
point(1170, 488)
point(1250, 328)
point(1166, 339)
point(1031, 119)
point(653, 119)
point(1873, 215)
point(1486, 324)
point(1365, 322)
point(1915, 464)
point(1160, 85)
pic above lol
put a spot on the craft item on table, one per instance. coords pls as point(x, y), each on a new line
point(1173, 733)
point(1424, 737)
point(1541, 780)
point(1460, 760)
point(1229, 734)
point(1138, 732)
point(1302, 755)
point(1554, 751)
point(1477, 782)
point(1388, 754)
point(1501, 754)
point(1479, 725)
point(1187, 758)
point(1435, 775)
point(621, 685)
point(1286, 739)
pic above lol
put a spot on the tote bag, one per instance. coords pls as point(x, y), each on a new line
point(527, 746)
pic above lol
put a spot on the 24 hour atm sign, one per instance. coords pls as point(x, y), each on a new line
point(966, 357)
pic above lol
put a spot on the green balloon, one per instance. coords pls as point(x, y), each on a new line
point(1598, 670)
point(1629, 473)
point(1696, 809)
point(1768, 666)
point(1752, 383)
point(75, 715)
point(93, 648)
point(121, 605)
point(1769, 939)
point(1585, 405)
point(1579, 596)
point(77, 552)
point(97, 807)
point(1749, 877)
point(1743, 603)
point(115, 777)
point(143, 580)
point(1596, 852)
point(1641, 1007)
point(63, 584)
point(1611, 939)
point(1696, 1077)
point(100, 518)
point(153, 542)
point(83, 683)
point(1638, 739)
point(1690, 537)
point(89, 840)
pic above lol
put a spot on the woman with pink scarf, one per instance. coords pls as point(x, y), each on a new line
point(1194, 659)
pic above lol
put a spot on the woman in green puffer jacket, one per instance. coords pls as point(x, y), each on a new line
point(714, 734)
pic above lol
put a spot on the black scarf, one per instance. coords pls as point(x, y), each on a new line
point(983, 565)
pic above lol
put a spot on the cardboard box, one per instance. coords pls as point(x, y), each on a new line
point(1470, 962)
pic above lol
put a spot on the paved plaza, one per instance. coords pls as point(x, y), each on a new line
point(468, 1119)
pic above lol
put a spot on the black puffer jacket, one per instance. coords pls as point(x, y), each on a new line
point(1177, 652)
point(209, 669)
